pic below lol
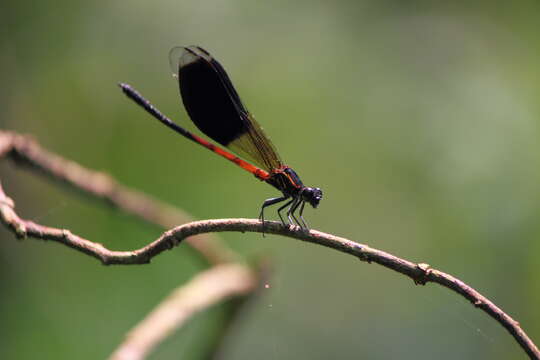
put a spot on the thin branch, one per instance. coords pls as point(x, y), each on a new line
point(26, 151)
point(420, 273)
point(206, 289)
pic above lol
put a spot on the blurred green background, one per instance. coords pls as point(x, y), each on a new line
point(419, 120)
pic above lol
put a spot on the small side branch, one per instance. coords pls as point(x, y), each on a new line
point(206, 289)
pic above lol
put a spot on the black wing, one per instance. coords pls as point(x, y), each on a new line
point(216, 109)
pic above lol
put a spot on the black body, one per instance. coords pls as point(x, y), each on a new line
point(213, 104)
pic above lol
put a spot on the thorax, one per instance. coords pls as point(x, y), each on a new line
point(286, 180)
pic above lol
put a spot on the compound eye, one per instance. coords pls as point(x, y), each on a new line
point(313, 196)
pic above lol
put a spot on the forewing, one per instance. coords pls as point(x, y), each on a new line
point(213, 104)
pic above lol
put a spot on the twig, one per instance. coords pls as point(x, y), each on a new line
point(204, 290)
point(420, 273)
point(26, 151)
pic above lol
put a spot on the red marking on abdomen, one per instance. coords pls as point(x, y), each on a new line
point(259, 173)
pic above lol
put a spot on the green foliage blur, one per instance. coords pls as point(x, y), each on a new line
point(418, 119)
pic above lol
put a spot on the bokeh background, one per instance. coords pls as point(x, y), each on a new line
point(418, 119)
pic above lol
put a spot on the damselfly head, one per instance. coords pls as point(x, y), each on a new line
point(312, 195)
